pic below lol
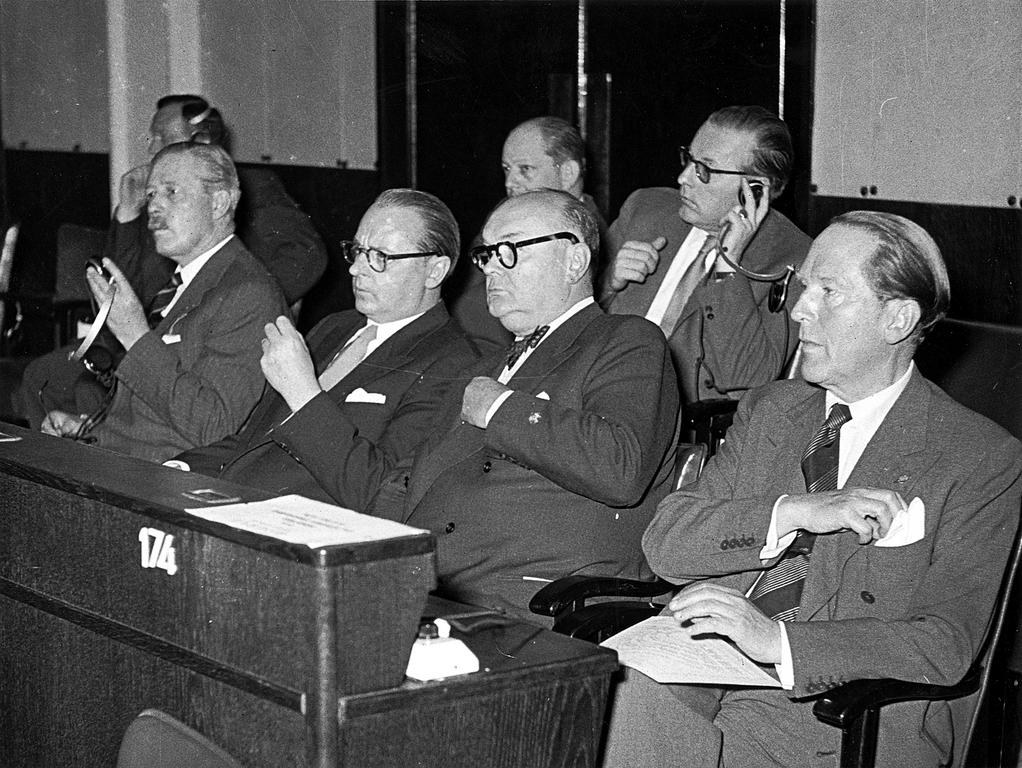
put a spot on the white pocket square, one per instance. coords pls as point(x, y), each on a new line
point(171, 338)
point(908, 526)
point(543, 396)
point(361, 396)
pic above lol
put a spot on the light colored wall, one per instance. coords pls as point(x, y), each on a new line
point(921, 98)
point(296, 82)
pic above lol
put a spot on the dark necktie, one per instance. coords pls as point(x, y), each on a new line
point(162, 299)
point(779, 590)
point(518, 346)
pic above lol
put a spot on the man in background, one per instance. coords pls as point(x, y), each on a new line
point(667, 262)
point(344, 410)
point(541, 153)
point(190, 373)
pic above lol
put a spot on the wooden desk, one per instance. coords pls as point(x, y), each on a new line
point(281, 654)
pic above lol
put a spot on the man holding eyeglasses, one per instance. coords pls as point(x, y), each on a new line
point(345, 408)
point(671, 252)
point(559, 449)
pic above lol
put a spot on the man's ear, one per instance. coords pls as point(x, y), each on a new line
point(571, 174)
point(439, 268)
point(901, 318)
point(577, 261)
point(223, 203)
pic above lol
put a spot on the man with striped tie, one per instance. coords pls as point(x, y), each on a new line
point(854, 525)
point(345, 409)
point(193, 376)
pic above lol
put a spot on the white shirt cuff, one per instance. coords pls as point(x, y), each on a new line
point(496, 404)
point(786, 669)
point(774, 547)
point(177, 464)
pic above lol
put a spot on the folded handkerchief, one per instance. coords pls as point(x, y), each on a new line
point(361, 396)
point(908, 526)
point(543, 396)
point(171, 338)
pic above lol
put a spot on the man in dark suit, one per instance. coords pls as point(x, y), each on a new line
point(343, 411)
point(541, 153)
point(667, 264)
point(194, 377)
point(556, 455)
point(269, 223)
point(893, 522)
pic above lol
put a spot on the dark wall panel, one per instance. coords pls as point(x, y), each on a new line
point(982, 248)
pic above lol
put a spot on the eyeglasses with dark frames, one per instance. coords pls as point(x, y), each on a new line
point(507, 252)
point(703, 171)
point(375, 258)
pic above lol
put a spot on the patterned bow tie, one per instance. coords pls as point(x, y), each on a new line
point(518, 346)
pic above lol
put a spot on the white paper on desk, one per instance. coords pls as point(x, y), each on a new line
point(300, 520)
point(660, 649)
point(907, 527)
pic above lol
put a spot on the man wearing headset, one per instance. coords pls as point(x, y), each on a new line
point(669, 262)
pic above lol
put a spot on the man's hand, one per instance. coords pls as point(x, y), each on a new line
point(866, 511)
point(132, 194)
point(479, 396)
point(739, 226)
point(127, 320)
point(635, 261)
point(287, 364)
point(62, 424)
point(710, 608)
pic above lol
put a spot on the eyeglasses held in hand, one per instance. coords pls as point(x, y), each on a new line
point(703, 171)
point(507, 253)
point(375, 258)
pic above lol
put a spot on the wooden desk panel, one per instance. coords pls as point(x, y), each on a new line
point(281, 654)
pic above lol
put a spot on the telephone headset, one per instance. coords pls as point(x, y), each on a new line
point(97, 360)
point(780, 280)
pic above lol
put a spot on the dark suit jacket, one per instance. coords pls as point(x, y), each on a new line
point(195, 377)
point(567, 473)
point(917, 612)
point(726, 339)
point(339, 447)
point(269, 223)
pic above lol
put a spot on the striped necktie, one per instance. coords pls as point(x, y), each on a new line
point(162, 299)
point(778, 591)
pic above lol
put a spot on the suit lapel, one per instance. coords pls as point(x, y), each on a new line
point(896, 456)
point(555, 350)
point(207, 278)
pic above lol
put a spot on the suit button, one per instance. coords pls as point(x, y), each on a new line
point(487, 466)
point(709, 315)
point(449, 528)
point(867, 597)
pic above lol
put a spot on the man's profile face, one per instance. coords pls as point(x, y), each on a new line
point(181, 209)
point(167, 127)
point(533, 292)
point(704, 205)
point(841, 319)
point(527, 166)
point(400, 290)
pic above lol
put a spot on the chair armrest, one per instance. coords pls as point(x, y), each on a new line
point(573, 591)
point(843, 705)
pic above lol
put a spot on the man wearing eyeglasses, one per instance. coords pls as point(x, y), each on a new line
point(345, 408)
point(557, 451)
point(725, 333)
point(541, 153)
